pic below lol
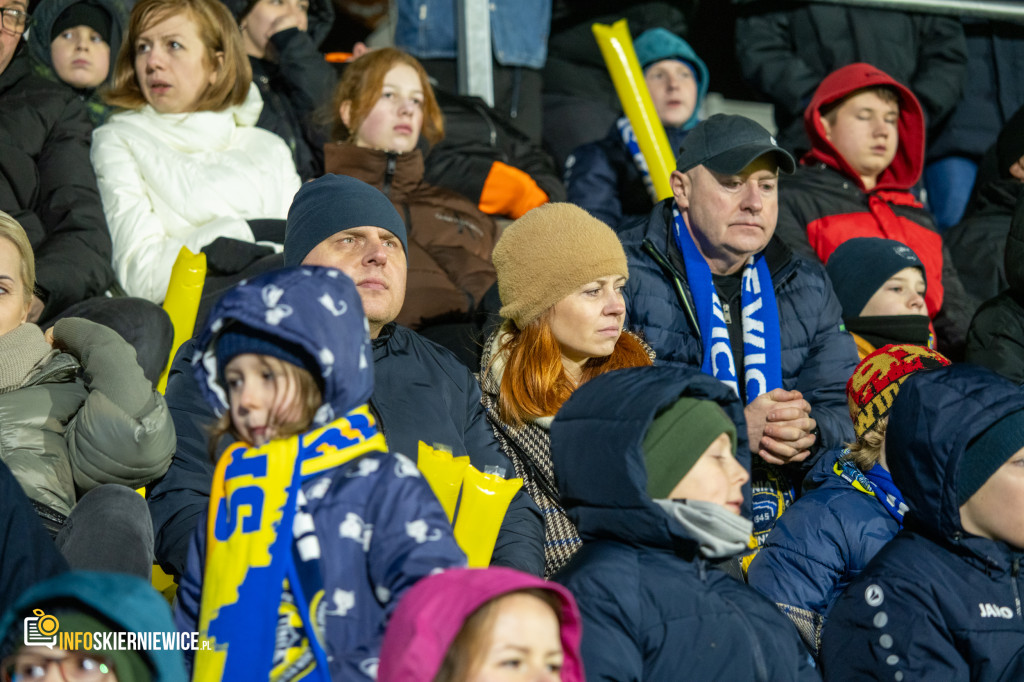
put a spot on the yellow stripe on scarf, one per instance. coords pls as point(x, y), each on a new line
point(248, 500)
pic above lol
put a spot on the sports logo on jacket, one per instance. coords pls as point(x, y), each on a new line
point(987, 610)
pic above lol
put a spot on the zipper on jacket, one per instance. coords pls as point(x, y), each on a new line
point(1016, 589)
point(389, 173)
point(380, 425)
point(755, 643)
point(490, 125)
point(677, 283)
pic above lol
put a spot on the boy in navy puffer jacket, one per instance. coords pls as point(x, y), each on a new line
point(942, 601)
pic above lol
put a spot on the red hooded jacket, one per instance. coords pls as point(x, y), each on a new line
point(827, 198)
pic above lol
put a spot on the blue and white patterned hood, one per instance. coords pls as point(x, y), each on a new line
point(314, 308)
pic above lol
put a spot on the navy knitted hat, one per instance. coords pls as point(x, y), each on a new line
point(330, 204)
point(989, 451)
point(859, 267)
point(239, 339)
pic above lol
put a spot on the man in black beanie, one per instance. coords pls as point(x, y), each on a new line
point(421, 390)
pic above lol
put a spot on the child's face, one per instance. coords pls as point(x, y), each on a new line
point(716, 477)
point(525, 643)
point(865, 133)
point(262, 396)
point(673, 90)
point(395, 121)
point(902, 294)
point(996, 511)
point(81, 57)
point(268, 17)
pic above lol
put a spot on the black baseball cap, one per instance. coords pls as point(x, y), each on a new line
point(727, 143)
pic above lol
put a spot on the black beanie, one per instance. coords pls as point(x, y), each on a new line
point(83, 14)
point(330, 204)
point(859, 267)
point(986, 453)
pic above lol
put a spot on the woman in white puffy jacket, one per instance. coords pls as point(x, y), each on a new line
point(186, 164)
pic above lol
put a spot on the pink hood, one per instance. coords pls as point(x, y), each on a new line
point(432, 612)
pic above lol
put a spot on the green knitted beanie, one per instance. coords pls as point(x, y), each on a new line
point(549, 253)
point(678, 437)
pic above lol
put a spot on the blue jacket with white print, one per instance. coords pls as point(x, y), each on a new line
point(936, 603)
point(378, 524)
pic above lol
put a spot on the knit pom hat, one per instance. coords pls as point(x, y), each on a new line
point(859, 267)
point(549, 253)
point(872, 389)
point(677, 438)
point(330, 204)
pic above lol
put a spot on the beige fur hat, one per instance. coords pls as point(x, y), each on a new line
point(549, 253)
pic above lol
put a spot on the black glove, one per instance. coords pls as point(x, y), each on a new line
point(226, 256)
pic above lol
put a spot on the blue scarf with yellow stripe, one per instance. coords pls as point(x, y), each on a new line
point(253, 571)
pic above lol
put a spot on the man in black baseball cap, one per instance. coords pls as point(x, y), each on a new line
point(710, 287)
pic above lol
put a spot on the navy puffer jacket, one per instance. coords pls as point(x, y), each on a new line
point(820, 544)
point(936, 603)
point(652, 608)
point(818, 356)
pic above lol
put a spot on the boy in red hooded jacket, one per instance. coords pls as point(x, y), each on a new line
point(867, 135)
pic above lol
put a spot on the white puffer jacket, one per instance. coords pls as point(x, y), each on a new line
point(173, 180)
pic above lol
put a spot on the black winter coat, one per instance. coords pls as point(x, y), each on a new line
point(293, 89)
point(996, 337)
point(978, 242)
point(786, 53)
point(993, 90)
point(652, 608)
point(421, 392)
point(817, 355)
point(47, 184)
point(936, 603)
point(29, 553)
point(476, 136)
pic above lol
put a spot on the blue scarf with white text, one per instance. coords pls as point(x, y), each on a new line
point(762, 345)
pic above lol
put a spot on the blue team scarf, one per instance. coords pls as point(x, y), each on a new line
point(629, 139)
point(877, 482)
point(762, 345)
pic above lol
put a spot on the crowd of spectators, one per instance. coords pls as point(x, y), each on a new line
point(769, 426)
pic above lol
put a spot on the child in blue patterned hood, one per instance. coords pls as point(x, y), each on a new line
point(312, 535)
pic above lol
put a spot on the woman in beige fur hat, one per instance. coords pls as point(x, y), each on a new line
point(560, 276)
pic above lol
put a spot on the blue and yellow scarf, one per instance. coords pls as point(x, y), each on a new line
point(876, 482)
point(254, 575)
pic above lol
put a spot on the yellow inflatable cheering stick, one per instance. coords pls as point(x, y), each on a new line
point(620, 58)
point(182, 301)
point(484, 501)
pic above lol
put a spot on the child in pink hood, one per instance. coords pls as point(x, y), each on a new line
point(468, 625)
